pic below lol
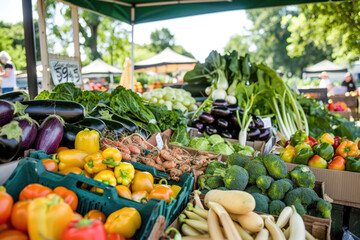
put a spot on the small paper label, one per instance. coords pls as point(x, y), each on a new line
point(159, 141)
point(267, 122)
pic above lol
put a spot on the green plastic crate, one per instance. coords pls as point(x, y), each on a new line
point(32, 170)
point(173, 209)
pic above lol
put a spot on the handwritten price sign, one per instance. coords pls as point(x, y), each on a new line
point(65, 70)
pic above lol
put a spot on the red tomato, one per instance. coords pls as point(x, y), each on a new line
point(19, 215)
point(34, 190)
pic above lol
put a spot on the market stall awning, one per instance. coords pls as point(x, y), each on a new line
point(154, 10)
point(166, 61)
point(99, 68)
point(325, 66)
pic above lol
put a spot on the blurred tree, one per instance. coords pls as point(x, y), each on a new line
point(335, 24)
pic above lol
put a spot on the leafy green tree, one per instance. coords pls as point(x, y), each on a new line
point(161, 39)
point(238, 43)
point(335, 24)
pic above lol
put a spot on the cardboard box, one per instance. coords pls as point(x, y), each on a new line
point(341, 186)
point(318, 227)
point(345, 114)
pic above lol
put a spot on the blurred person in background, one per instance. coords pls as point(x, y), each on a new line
point(349, 83)
point(325, 81)
point(8, 73)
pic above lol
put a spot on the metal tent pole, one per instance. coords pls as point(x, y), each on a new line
point(132, 46)
point(30, 47)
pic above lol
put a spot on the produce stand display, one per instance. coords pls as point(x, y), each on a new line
point(122, 153)
point(352, 103)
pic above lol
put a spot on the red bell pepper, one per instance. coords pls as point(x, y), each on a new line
point(85, 229)
point(313, 141)
point(287, 143)
point(338, 163)
point(336, 142)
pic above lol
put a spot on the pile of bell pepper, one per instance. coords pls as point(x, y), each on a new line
point(328, 151)
point(106, 166)
point(42, 213)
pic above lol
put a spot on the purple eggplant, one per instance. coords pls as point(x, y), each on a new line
point(220, 111)
point(235, 133)
point(225, 134)
point(220, 102)
point(254, 134)
point(265, 134)
point(222, 123)
point(234, 107)
point(7, 110)
point(29, 128)
point(199, 125)
point(252, 125)
point(258, 122)
point(10, 141)
point(50, 134)
point(210, 130)
point(206, 117)
point(234, 121)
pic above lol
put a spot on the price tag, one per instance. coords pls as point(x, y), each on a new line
point(64, 69)
point(267, 122)
point(159, 141)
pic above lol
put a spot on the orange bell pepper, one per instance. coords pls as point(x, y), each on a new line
point(338, 163)
point(19, 215)
point(123, 191)
point(50, 164)
point(142, 181)
point(96, 214)
point(347, 149)
point(34, 190)
point(13, 234)
point(140, 196)
point(6, 205)
point(69, 196)
point(163, 192)
point(5, 226)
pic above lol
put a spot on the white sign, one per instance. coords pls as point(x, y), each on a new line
point(159, 141)
point(65, 69)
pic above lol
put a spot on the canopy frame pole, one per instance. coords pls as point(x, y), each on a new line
point(132, 46)
point(29, 36)
point(46, 82)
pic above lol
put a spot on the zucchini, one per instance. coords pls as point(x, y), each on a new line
point(70, 111)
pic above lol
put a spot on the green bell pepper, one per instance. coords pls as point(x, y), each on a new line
point(352, 164)
point(303, 156)
point(298, 137)
point(324, 150)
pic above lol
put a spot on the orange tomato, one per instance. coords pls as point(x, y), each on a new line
point(123, 191)
point(19, 215)
point(34, 190)
point(6, 204)
point(13, 235)
point(69, 196)
point(96, 214)
point(50, 164)
point(59, 149)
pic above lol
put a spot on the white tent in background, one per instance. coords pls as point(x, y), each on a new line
point(336, 72)
point(99, 68)
point(165, 62)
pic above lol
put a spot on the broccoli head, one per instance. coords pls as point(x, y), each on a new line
point(276, 206)
point(236, 178)
point(264, 182)
point(290, 182)
point(255, 168)
point(238, 159)
point(215, 182)
point(253, 189)
point(305, 196)
point(262, 202)
point(278, 189)
point(275, 166)
point(210, 169)
point(322, 209)
point(202, 181)
point(300, 209)
point(303, 176)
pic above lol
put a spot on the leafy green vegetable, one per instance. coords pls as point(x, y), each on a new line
point(200, 143)
point(88, 99)
point(45, 94)
point(180, 135)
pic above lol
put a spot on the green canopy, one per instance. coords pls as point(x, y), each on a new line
point(154, 10)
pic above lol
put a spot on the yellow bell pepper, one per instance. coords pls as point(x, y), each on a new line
point(326, 137)
point(94, 163)
point(176, 189)
point(88, 141)
point(124, 221)
point(48, 217)
point(107, 177)
point(142, 181)
point(124, 173)
point(112, 157)
point(71, 158)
